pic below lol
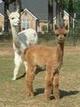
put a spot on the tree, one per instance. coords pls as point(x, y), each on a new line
point(50, 15)
point(19, 6)
point(77, 8)
point(71, 11)
point(59, 12)
point(6, 7)
point(6, 21)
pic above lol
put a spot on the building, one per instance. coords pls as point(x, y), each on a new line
point(1, 22)
point(28, 20)
point(40, 25)
point(66, 18)
point(35, 13)
point(39, 8)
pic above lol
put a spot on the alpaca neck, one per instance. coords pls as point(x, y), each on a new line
point(60, 53)
point(15, 31)
point(16, 44)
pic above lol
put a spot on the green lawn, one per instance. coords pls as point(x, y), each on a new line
point(12, 93)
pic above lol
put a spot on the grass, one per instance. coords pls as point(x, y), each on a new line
point(12, 93)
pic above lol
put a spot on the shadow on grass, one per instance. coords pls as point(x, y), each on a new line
point(39, 91)
point(63, 93)
point(22, 76)
point(39, 69)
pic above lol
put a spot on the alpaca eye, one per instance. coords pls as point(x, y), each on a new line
point(64, 34)
point(57, 34)
point(12, 18)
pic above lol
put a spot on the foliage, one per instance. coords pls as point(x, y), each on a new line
point(9, 1)
point(76, 6)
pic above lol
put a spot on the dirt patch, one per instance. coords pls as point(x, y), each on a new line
point(71, 50)
point(6, 51)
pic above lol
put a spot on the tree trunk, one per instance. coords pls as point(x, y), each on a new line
point(6, 21)
point(19, 6)
point(50, 15)
point(71, 12)
point(59, 12)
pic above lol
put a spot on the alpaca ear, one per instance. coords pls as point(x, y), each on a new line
point(67, 28)
point(17, 10)
point(56, 29)
point(8, 12)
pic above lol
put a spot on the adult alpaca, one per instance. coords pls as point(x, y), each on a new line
point(49, 57)
point(21, 40)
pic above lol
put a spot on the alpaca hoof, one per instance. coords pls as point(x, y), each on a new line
point(57, 96)
point(47, 97)
point(30, 94)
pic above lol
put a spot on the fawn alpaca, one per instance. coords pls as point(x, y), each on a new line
point(51, 58)
point(21, 40)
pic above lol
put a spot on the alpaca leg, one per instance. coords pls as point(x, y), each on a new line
point(26, 66)
point(48, 84)
point(56, 85)
point(17, 61)
point(30, 74)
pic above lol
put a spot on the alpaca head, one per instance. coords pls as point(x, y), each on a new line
point(14, 18)
point(61, 32)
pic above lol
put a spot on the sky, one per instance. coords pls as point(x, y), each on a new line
point(1, 1)
point(38, 8)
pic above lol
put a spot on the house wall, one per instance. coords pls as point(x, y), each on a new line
point(44, 23)
point(43, 26)
point(31, 20)
point(1, 23)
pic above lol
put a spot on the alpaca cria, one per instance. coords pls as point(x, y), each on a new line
point(21, 40)
point(49, 57)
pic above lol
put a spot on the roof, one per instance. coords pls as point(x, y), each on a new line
point(1, 15)
point(30, 13)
